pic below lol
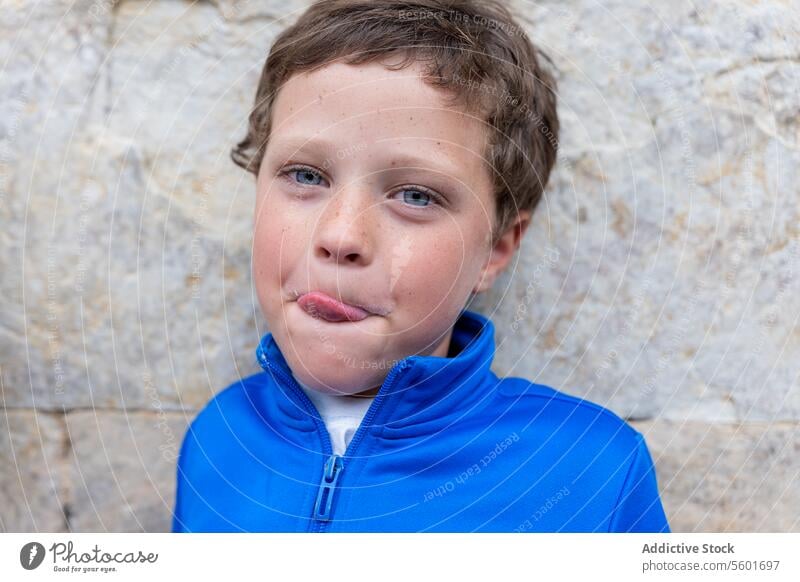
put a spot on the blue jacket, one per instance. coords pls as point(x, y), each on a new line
point(445, 446)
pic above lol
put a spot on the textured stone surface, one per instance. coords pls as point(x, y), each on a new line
point(131, 226)
point(34, 486)
point(660, 276)
point(122, 468)
point(674, 212)
point(727, 477)
point(281, 12)
point(50, 82)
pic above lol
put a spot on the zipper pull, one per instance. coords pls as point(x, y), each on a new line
point(322, 507)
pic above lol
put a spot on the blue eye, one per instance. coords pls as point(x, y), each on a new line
point(302, 174)
point(413, 195)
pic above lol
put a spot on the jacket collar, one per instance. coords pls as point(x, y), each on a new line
point(420, 393)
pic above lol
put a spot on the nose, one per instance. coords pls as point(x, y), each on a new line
point(343, 234)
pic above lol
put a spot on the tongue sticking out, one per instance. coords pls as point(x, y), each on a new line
point(322, 306)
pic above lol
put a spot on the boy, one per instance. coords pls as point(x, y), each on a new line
point(399, 150)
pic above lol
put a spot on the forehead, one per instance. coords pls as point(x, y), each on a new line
point(372, 106)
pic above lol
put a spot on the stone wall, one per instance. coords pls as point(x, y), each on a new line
point(659, 279)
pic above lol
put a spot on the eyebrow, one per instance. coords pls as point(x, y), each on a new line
point(288, 146)
point(447, 166)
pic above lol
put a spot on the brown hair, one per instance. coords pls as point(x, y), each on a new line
point(471, 48)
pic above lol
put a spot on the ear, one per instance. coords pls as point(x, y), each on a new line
point(503, 251)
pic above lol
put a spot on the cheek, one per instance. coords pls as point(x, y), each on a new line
point(266, 233)
point(275, 224)
point(275, 244)
point(435, 270)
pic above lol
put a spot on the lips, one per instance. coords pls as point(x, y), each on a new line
point(323, 306)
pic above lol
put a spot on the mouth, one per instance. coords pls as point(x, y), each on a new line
point(322, 306)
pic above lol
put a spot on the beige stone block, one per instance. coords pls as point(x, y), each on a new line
point(33, 481)
point(727, 477)
point(123, 469)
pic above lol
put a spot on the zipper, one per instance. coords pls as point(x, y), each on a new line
point(334, 464)
point(373, 409)
point(290, 381)
point(322, 507)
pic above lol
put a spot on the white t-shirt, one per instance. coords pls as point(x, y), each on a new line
point(342, 415)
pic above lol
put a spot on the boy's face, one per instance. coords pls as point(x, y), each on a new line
point(375, 192)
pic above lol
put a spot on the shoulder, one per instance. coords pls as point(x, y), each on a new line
point(592, 443)
point(571, 416)
point(230, 406)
